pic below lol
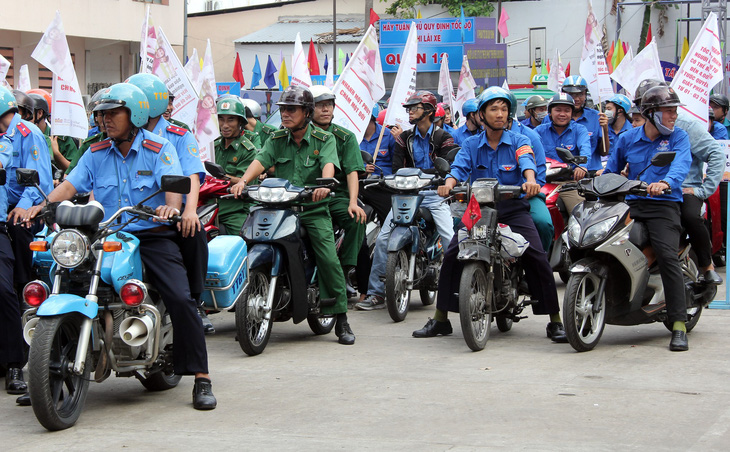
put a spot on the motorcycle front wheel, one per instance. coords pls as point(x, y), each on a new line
point(584, 311)
point(428, 297)
point(397, 297)
point(320, 324)
point(57, 394)
point(253, 317)
point(475, 305)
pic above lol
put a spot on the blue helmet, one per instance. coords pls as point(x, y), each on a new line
point(470, 106)
point(575, 84)
point(492, 93)
point(154, 89)
point(512, 105)
point(128, 96)
point(7, 101)
point(621, 101)
point(375, 112)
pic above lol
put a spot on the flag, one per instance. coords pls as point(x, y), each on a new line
point(373, 18)
point(648, 37)
point(473, 213)
point(347, 58)
point(299, 66)
point(418, 14)
point(326, 63)
point(593, 65)
point(446, 87)
point(4, 67)
point(405, 82)
point(567, 70)
point(362, 81)
point(700, 71)
point(147, 44)
point(533, 72)
point(543, 68)
point(465, 90)
point(256, 76)
point(23, 82)
point(68, 113)
point(206, 122)
point(340, 60)
point(463, 24)
point(329, 80)
point(238, 71)
point(283, 76)
point(505, 85)
point(312, 61)
point(618, 55)
point(269, 79)
point(548, 66)
point(557, 75)
point(609, 56)
point(643, 66)
point(685, 50)
point(193, 70)
point(502, 27)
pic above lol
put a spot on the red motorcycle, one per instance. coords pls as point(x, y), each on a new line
point(215, 186)
point(715, 219)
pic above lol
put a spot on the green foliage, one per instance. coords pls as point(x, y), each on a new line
point(406, 9)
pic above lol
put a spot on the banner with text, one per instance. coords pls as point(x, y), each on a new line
point(404, 86)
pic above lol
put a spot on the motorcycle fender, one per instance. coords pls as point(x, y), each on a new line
point(401, 237)
point(261, 254)
point(120, 266)
point(66, 303)
point(589, 265)
point(472, 252)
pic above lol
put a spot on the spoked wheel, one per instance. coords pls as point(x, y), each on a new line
point(253, 316)
point(475, 305)
point(56, 392)
point(321, 324)
point(504, 324)
point(428, 297)
point(584, 310)
point(397, 297)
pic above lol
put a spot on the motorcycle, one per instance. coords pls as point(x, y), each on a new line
point(215, 186)
point(714, 218)
point(282, 281)
point(607, 247)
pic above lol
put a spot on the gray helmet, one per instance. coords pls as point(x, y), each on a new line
point(24, 101)
point(718, 99)
point(657, 97)
point(535, 102)
point(645, 86)
point(40, 104)
point(321, 93)
point(253, 106)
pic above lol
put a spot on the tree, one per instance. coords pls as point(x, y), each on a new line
point(406, 8)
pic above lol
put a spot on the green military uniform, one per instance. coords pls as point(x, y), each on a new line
point(253, 138)
point(234, 159)
point(302, 164)
point(175, 122)
point(264, 131)
point(66, 146)
point(84, 146)
point(348, 152)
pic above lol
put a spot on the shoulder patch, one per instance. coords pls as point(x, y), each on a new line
point(321, 135)
point(245, 142)
point(105, 144)
point(176, 130)
point(340, 132)
point(152, 146)
point(281, 133)
point(175, 122)
point(23, 129)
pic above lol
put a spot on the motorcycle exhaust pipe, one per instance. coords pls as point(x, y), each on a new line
point(135, 331)
point(29, 329)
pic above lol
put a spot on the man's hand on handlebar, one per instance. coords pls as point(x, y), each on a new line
point(579, 173)
point(320, 193)
point(531, 189)
point(656, 188)
point(238, 188)
point(166, 212)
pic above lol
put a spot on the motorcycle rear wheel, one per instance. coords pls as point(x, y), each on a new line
point(428, 297)
point(56, 393)
point(321, 325)
point(475, 305)
point(583, 326)
point(397, 297)
point(254, 330)
point(504, 324)
point(161, 381)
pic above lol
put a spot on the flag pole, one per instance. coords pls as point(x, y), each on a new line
point(380, 139)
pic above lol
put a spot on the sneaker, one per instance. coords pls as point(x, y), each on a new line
point(371, 303)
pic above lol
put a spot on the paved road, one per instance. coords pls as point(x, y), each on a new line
point(393, 392)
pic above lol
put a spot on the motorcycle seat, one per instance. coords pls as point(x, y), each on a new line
point(639, 235)
point(303, 232)
point(77, 215)
point(425, 214)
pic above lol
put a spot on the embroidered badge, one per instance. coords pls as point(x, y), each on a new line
point(316, 152)
point(35, 152)
point(507, 167)
point(235, 159)
point(569, 147)
point(663, 146)
point(193, 150)
point(166, 158)
point(225, 106)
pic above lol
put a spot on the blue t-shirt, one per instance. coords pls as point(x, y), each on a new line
point(613, 137)
point(6, 156)
point(589, 120)
point(537, 148)
point(385, 151)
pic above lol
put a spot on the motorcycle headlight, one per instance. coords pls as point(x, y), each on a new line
point(483, 191)
point(573, 230)
point(598, 231)
point(205, 219)
point(273, 195)
point(407, 182)
point(69, 248)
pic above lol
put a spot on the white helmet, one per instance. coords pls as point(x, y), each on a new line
point(254, 106)
point(321, 92)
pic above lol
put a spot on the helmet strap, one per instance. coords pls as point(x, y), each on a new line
point(656, 120)
point(132, 135)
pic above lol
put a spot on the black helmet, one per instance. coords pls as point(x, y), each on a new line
point(657, 97)
point(718, 99)
point(561, 99)
point(297, 95)
point(23, 100)
point(645, 86)
point(40, 104)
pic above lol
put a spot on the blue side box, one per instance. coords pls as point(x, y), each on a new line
point(227, 271)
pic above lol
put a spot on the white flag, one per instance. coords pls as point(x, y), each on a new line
point(193, 70)
point(23, 82)
point(556, 77)
point(206, 124)
point(405, 83)
point(4, 67)
point(68, 114)
point(147, 44)
point(329, 81)
point(643, 66)
point(700, 71)
point(446, 87)
point(168, 68)
point(593, 65)
point(300, 70)
point(360, 85)
point(465, 90)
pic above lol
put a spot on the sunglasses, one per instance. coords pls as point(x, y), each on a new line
point(288, 108)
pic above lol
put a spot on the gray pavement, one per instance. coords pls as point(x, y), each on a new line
point(393, 392)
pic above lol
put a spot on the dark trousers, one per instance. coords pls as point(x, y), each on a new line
point(164, 264)
point(662, 220)
point(20, 237)
point(378, 198)
point(194, 252)
point(699, 236)
point(539, 275)
point(364, 263)
point(11, 330)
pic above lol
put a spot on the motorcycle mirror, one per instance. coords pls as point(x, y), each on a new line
point(452, 154)
point(442, 166)
point(662, 159)
point(215, 170)
point(327, 181)
point(3, 176)
point(27, 177)
point(366, 157)
point(176, 184)
point(565, 155)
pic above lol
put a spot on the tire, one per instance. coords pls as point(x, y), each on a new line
point(718, 259)
point(56, 393)
point(475, 305)
point(583, 326)
point(161, 381)
point(397, 297)
point(428, 297)
point(252, 326)
point(504, 324)
point(321, 325)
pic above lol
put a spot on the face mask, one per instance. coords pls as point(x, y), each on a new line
point(541, 115)
point(658, 116)
point(611, 116)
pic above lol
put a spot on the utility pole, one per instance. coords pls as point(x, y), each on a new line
point(334, 35)
point(368, 7)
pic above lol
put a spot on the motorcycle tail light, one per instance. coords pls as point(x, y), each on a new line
point(41, 246)
point(133, 293)
point(110, 247)
point(35, 293)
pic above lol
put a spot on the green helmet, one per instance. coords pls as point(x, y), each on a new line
point(154, 89)
point(535, 101)
point(7, 101)
point(128, 96)
point(231, 106)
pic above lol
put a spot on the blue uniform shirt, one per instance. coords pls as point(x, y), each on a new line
point(29, 150)
point(385, 151)
point(6, 155)
point(422, 148)
point(449, 129)
point(613, 136)
point(186, 147)
point(537, 148)
point(462, 133)
point(476, 159)
point(527, 122)
point(125, 181)
point(574, 138)
point(589, 120)
point(635, 148)
point(719, 132)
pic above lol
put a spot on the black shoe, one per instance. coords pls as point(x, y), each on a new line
point(556, 332)
point(679, 341)
point(208, 327)
point(351, 292)
point(344, 333)
point(23, 400)
point(711, 277)
point(14, 383)
point(433, 328)
point(203, 398)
